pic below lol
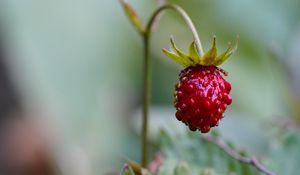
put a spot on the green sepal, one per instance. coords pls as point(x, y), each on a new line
point(225, 55)
point(175, 57)
point(193, 53)
point(194, 58)
point(188, 59)
point(209, 57)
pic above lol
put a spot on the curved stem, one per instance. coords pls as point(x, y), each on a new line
point(185, 17)
point(147, 67)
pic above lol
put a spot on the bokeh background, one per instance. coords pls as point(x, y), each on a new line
point(72, 71)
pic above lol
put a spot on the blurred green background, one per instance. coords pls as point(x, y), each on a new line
point(78, 65)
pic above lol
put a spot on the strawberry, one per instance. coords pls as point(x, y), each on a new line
point(202, 94)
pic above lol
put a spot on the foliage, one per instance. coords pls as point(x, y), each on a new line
point(189, 153)
point(285, 154)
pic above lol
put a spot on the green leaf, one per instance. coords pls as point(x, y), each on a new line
point(132, 16)
point(196, 152)
point(172, 166)
point(285, 154)
point(208, 171)
point(167, 167)
point(182, 168)
point(209, 57)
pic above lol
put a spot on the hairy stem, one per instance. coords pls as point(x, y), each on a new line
point(147, 67)
point(235, 155)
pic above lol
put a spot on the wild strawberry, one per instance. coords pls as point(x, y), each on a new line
point(202, 94)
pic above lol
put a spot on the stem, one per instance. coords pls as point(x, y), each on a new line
point(146, 99)
point(154, 19)
point(147, 67)
point(247, 160)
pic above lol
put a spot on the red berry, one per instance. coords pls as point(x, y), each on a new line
point(201, 97)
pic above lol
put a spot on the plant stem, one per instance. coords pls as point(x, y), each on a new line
point(154, 19)
point(146, 99)
point(235, 155)
point(147, 67)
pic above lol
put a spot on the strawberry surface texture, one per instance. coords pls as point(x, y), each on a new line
point(201, 97)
